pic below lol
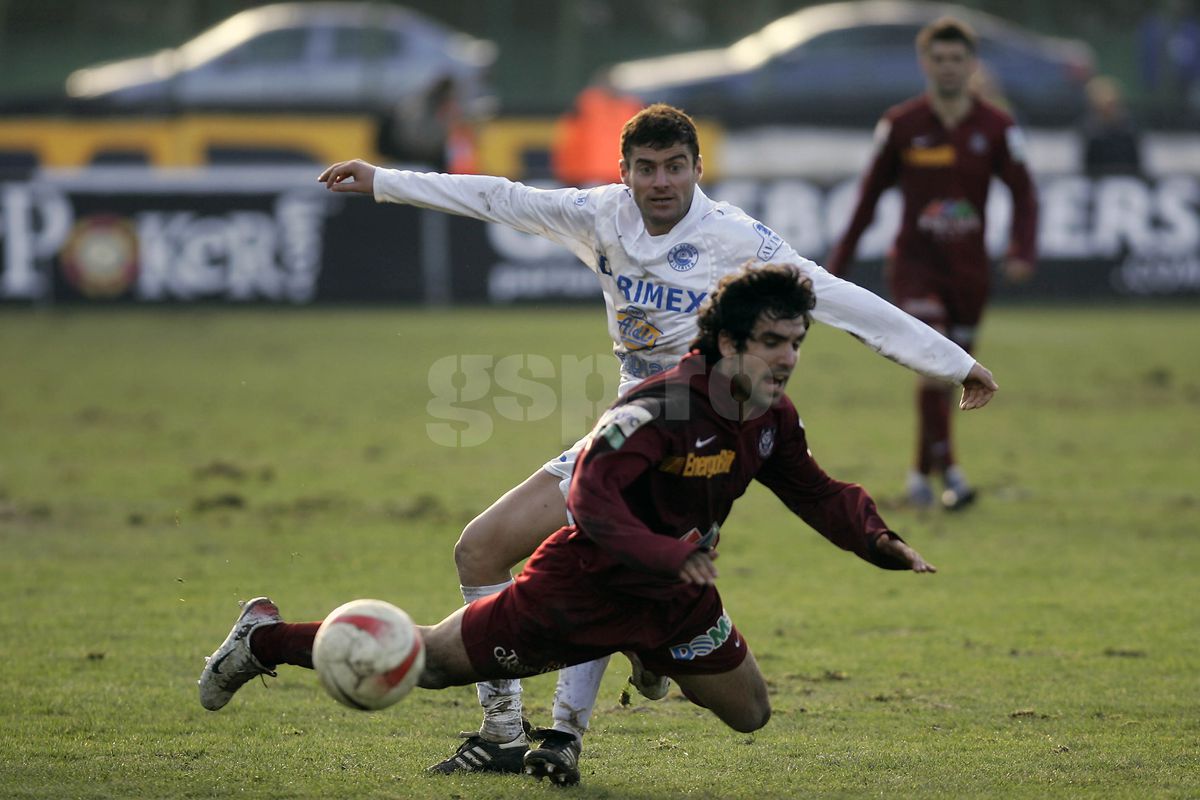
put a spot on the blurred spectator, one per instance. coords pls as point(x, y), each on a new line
point(1169, 53)
point(1111, 144)
point(447, 123)
point(583, 153)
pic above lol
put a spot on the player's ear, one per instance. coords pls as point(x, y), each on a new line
point(624, 167)
point(726, 344)
point(699, 166)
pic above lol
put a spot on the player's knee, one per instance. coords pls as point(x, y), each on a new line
point(751, 712)
point(752, 717)
point(475, 551)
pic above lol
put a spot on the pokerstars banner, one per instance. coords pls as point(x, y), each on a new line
point(275, 236)
point(240, 235)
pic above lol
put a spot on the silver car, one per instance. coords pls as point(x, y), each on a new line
point(845, 63)
point(405, 69)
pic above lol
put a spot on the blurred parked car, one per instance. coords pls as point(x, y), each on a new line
point(414, 74)
point(845, 63)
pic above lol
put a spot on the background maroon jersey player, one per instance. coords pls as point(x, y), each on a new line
point(942, 149)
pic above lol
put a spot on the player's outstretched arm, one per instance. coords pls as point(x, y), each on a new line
point(363, 174)
point(978, 388)
point(902, 552)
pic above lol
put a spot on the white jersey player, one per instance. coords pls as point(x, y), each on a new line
point(658, 246)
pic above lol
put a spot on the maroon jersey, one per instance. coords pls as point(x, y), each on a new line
point(654, 484)
point(663, 469)
point(944, 176)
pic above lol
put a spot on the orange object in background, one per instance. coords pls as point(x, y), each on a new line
point(462, 152)
point(585, 149)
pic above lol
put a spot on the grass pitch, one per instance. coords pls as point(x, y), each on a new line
point(156, 467)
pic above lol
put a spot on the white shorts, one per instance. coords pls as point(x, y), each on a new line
point(563, 466)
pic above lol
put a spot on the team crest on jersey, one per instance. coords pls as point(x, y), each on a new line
point(683, 257)
point(766, 442)
point(637, 332)
point(771, 241)
point(582, 197)
point(977, 143)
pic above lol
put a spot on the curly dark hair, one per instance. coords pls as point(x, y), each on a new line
point(778, 290)
point(659, 126)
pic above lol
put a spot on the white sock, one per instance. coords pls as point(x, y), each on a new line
point(576, 695)
point(501, 699)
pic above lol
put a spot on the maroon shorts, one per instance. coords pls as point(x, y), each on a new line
point(556, 615)
point(948, 296)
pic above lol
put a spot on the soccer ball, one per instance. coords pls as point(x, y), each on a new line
point(368, 654)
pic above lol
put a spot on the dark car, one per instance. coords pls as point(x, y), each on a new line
point(845, 63)
point(317, 57)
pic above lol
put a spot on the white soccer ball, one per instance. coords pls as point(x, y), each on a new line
point(368, 654)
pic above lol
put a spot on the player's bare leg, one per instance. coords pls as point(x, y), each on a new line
point(446, 659)
point(447, 664)
point(491, 544)
point(503, 535)
point(510, 530)
point(738, 697)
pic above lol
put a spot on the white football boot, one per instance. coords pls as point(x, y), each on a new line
point(226, 670)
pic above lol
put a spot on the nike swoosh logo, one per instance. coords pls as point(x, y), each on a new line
point(216, 665)
point(703, 442)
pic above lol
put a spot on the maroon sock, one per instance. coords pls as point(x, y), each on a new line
point(933, 431)
point(285, 643)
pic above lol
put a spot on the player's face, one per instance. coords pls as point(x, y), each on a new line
point(663, 183)
point(948, 67)
point(768, 358)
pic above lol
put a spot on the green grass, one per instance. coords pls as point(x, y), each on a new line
point(156, 467)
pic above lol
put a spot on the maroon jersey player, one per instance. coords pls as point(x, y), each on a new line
point(636, 572)
point(942, 149)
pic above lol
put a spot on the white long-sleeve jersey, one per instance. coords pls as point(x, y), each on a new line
point(654, 285)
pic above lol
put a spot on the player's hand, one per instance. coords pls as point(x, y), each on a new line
point(336, 177)
point(978, 388)
point(899, 550)
point(1017, 270)
point(699, 568)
